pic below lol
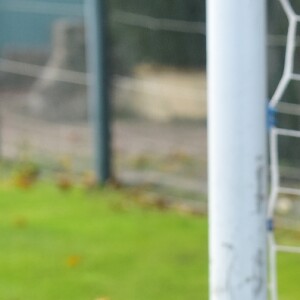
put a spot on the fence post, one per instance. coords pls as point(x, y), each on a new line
point(237, 149)
point(97, 59)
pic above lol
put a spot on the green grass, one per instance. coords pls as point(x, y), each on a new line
point(120, 251)
point(87, 246)
point(288, 266)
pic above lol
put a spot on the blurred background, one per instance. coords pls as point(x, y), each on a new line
point(157, 75)
point(156, 83)
point(157, 87)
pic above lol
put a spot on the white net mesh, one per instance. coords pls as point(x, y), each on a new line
point(283, 192)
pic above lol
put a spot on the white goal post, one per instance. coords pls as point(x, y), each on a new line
point(237, 93)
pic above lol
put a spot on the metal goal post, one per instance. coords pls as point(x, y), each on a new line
point(237, 149)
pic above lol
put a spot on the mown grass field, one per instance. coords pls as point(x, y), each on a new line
point(83, 245)
point(77, 245)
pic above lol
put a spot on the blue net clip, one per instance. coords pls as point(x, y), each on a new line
point(270, 225)
point(272, 117)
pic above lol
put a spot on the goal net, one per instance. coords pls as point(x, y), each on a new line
point(284, 112)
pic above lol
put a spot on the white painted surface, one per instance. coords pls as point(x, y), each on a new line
point(237, 149)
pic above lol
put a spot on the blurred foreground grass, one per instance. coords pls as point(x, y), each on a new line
point(76, 244)
point(101, 245)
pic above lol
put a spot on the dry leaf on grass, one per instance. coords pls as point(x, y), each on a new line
point(73, 260)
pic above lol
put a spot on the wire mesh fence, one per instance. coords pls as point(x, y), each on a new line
point(43, 82)
point(158, 89)
point(158, 95)
point(159, 92)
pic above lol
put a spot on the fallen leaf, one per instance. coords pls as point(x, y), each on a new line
point(73, 261)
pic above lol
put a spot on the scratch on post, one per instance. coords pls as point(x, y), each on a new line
point(260, 183)
point(258, 273)
point(257, 277)
point(228, 288)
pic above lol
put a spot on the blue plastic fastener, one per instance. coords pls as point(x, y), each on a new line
point(270, 225)
point(272, 117)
